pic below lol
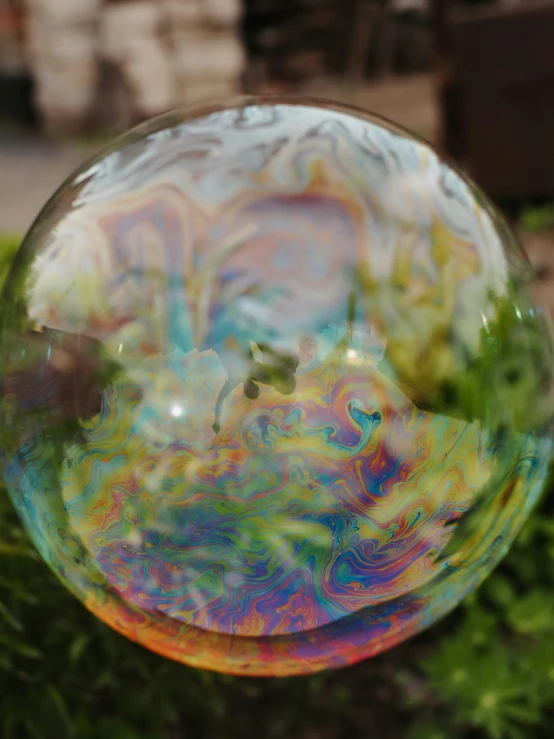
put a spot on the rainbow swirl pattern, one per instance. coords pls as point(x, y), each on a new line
point(219, 509)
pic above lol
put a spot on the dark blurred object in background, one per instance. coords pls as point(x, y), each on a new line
point(16, 86)
point(497, 93)
point(297, 40)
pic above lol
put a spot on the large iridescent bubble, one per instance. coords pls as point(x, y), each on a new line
point(274, 397)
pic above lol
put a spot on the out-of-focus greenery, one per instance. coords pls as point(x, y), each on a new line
point(491, 673)
point(8, 246)
point(538, 219)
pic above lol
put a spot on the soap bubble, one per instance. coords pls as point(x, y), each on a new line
point(274, 396)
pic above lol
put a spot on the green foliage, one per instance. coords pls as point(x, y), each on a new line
point(8, 246)
point(494, 671)
point(537, 220)
point(515, 359)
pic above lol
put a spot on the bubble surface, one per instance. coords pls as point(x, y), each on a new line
point(274, 397)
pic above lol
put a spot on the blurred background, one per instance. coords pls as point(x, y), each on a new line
point(476, 79)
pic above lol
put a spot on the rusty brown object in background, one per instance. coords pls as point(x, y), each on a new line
point(502, 61)
point(11, 19)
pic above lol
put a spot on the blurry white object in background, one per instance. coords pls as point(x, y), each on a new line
point(121, 24)
point(191, 94)
point(210, 57)
point(149, 75)
point(129, 37)
point(222, 12)
point(174, 51)
point(151, 54)
point(62, 54)
point(63, 13)
point(401, 6)
point(182, 13)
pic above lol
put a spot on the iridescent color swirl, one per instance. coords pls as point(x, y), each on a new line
point(260, 492)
